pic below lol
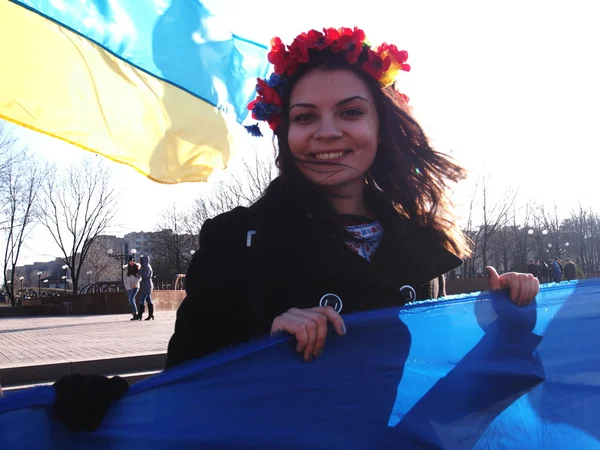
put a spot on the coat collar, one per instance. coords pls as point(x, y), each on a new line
point(407, 255)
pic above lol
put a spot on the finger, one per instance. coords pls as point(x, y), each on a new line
point(514, 285)
point(321, 322)
point(310, 321)
point(493, 279)
point(536, 288)
point(332, 317)
point(287, 322)
point(311, 327)
point(523, 289)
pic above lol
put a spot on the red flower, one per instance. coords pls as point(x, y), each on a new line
point(331, 36)
point(277, 55)
point(399, 55)
point(253, 103)
point(351, 41)
point(375, 66)
point(274, 121)
point(312, 39)
point(268, 94)
point(298, 51)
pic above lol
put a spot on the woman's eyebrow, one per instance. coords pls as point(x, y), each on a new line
point(340, 103)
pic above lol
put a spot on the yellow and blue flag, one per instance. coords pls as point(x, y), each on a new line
point(156, 85)
point(473, 371)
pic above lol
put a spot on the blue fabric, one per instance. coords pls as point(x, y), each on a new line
point(178, 41)
point(471, 371)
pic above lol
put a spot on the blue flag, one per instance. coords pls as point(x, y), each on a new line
point(472, 371)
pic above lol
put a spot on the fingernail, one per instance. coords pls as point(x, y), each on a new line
point(343, 327)
point(318, 352)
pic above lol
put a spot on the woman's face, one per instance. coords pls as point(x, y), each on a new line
point(131, 263)
point(333, 131)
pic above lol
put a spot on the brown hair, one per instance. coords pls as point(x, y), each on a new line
point(412, 175)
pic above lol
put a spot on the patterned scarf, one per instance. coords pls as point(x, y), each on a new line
point(370, 233)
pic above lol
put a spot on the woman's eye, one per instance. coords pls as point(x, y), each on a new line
point(303, 118)
point(352, 112)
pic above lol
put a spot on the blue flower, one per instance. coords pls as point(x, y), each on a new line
point(278, 83)
point(263, 111)
point(254, 130)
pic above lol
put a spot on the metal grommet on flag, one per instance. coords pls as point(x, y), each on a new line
point(409, 293)
point(332, 300)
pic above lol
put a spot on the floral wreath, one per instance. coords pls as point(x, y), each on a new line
point(383, 63)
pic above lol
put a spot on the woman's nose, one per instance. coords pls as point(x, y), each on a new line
point(328, 129)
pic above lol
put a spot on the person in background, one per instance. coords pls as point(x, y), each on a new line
point(132, 285)
point(146, 288)
point(533, 269)
point(570, 270)
point(556, 271)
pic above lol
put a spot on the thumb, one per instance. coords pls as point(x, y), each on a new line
point(493, 279)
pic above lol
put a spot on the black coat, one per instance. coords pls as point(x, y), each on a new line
point(255, 263)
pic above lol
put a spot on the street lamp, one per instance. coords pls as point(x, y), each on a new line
point(21, 278)
point(567, 246)
point(89, 274)
point(39, 274)
point(531, 232)
point(46, 286)
point(65, 267)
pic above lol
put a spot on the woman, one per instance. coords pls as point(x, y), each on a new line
point(132, 284)
point(358, 218)
point(147, 287)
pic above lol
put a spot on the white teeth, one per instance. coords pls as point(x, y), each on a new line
point(329, 155)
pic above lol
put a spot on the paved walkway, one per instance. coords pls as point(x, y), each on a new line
point(27, 341)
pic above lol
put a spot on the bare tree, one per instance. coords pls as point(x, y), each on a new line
point(494, 217)
point(80, 205)
point(172, 246)
point(242, 185)
point(22, 180)
point(99, 263)
point(487, 246)
point(581, 230)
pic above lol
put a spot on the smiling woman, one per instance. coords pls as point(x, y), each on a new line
point(358, 219)
point(333, 136)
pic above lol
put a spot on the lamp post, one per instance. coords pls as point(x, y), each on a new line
point(89, 274)
point(567, 247)
point(21, 279)
point(46, 286)
point(192, 252)
point(39, 274)
point(544, 233)
point(65, 268)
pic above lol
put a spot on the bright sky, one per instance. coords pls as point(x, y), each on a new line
point(509, 87)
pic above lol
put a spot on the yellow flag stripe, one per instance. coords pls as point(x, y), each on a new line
point(61, 84)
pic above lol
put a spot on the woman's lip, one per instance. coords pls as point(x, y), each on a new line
point(337, 150)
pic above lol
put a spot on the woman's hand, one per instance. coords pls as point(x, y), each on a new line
point(523, 287)
point(309, 327)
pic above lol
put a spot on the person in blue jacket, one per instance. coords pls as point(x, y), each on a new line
point(146, 288)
